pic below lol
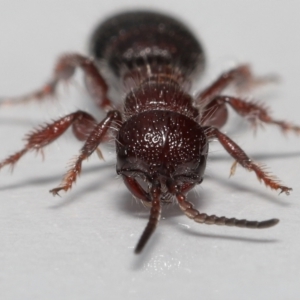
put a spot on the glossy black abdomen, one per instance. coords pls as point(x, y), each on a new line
point(132, 39)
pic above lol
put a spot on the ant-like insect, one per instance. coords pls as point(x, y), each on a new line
point(161, 133)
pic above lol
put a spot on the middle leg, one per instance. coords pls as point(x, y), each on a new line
point(81, 122)
point(216, 113)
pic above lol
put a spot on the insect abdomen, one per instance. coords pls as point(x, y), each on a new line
point(129, 40)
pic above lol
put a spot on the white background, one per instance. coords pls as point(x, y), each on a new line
point(80, 246)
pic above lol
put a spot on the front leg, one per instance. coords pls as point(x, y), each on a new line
point(97, 136)
point(241, 158)
point(63, 71)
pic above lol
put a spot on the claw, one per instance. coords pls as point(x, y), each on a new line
point(285, 189)
point(55, 191)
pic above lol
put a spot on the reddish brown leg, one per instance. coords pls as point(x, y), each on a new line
point(189, 210)
point(153, 218)
point(82, 123)
point(214, 114)
point(241, 77)
point(97, 135)
point(254, 112)
point(63, 71)
point(241, 157)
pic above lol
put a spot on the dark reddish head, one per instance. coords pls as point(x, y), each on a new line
point(163, 147)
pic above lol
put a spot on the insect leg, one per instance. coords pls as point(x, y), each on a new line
point(97, 135)
point(241, 157)
point(63, 71)
point(241, 77)
point(189, 210)
point(254, 112)
point(39, 138)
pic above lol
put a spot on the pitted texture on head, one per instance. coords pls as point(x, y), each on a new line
point(161, 141)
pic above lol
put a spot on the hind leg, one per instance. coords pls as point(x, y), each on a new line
point(241, 77)
point(63, 71)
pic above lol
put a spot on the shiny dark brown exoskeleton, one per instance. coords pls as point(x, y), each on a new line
point(161, 132)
